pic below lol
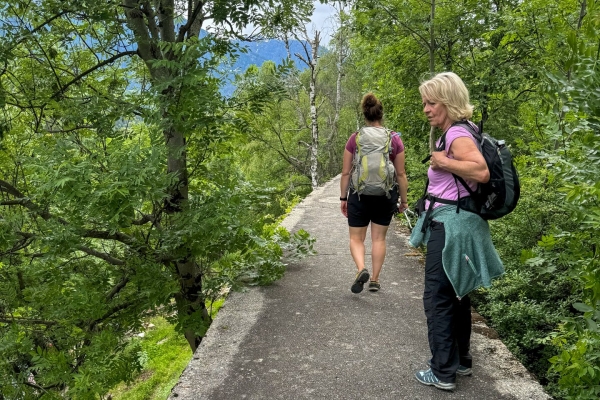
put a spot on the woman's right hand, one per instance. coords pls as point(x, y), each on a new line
point(402, 207)
point(344, 208)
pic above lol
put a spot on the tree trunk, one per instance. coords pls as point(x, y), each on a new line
point(432, 66)
point(313, 113)
point(341, 56)
point(190, 301)
point(310, 59)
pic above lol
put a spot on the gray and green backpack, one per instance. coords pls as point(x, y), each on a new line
point(373, 172)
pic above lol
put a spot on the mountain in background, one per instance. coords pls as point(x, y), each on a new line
point(259, 52)
point(268, 50)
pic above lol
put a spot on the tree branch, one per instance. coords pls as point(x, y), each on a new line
point(42, 388)
point(20, 245)
point(166, 15)
point(95, 67)
point(95, 234)
point(408, 28)
point(110, 313)
point(118, 236)
point(144, 220)
point(37, 28)
point(31, 321)
point(109, 259)
point(24, 201)
point(118, 287)
point(185, 28)
point(149, 13)
point(18, 202)
point(10, 189)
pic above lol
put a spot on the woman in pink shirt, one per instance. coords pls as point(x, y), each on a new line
point(362, 210)
point(446, 101)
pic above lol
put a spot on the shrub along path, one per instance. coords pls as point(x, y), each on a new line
point(308, 337)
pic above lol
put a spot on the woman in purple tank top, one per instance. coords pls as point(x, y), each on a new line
point(446, 101)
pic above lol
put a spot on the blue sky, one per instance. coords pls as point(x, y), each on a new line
point(323, 20)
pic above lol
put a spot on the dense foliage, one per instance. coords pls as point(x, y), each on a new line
point(131, 186)
point(120, 195)
point(532, 69)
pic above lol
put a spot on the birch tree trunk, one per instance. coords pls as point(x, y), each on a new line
point(341, 57)
point(342, 54)
point(432, 65)
point(314, 148)
point(310, 57)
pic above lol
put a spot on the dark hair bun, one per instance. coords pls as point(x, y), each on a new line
point(370, 100)
point(371, 107)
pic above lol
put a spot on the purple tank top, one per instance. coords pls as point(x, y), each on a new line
point(442, 183)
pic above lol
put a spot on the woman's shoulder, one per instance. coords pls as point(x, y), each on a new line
point(460, 130)
point(351, 143)
point(396, 136)
point(462, 127)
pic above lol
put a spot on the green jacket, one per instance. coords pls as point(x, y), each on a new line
point(469, 256)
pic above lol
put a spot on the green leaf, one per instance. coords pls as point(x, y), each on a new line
point(583, 307)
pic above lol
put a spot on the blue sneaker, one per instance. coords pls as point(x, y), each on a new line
point(428, 378)
point(462, 370)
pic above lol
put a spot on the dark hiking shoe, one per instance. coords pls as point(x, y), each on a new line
point(462, 370)
point(428, 378)
point(374, 286)
point(361, 278)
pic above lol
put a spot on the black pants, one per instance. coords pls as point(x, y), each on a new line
point(448, 318)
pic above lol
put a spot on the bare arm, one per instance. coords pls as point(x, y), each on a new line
point(401, 179)
point(346, 168)
point(468, 163)
point(345, 181)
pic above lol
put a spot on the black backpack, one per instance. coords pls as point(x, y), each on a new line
point(497, 197)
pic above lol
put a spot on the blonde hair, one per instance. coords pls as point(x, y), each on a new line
point(447, 88)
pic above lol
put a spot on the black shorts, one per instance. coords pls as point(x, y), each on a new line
point(376, 209)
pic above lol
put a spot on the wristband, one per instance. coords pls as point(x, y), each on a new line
point(343, 199)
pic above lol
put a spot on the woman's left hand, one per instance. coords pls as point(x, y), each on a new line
point(344, 208)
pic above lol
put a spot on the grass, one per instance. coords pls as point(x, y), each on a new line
point(168, 353)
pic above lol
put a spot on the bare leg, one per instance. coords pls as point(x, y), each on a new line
point(378, 233)
point(357, 245)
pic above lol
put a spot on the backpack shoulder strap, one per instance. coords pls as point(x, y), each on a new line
point(439, 148)
point(356, 137)
point(464, 123)
point(390, 134)
point(477, 134)
point(442, 145)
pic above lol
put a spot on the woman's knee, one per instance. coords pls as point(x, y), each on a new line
point(378, 233)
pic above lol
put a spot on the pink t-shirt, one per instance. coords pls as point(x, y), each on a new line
point(397, 145)
point(441, 182)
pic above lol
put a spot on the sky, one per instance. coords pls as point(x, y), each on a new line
point(323, 20)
